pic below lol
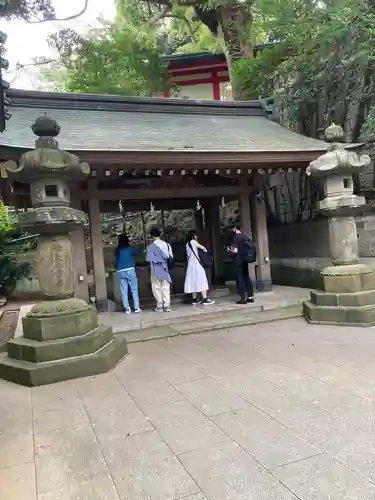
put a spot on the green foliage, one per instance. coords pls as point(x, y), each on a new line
point(323, 70)
point(255, 76)
point(10, 269)
point(5, 224)
point(10, 272)
point(329, 74)
point(125, 57)
point(29, 10)
point(119, 58)
point(186, 34)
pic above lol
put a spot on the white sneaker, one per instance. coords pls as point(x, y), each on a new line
point(208, 302)
point(158, 310)
point(167, 309)
point(127, 311)
point(137, 310)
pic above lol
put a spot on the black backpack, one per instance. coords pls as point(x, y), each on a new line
point(170, 261)
point(248, 251)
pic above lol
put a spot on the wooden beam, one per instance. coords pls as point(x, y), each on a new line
point(155, 194)
point(190, 159)
point(183, 159)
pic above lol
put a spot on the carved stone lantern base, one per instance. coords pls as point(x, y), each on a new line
point(347, 297)
point(61, 341)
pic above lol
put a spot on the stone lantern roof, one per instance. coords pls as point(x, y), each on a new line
point(47, 160)
point(337, 160)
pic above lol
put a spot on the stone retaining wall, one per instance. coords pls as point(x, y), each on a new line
point(309, 239)
point(304, 273)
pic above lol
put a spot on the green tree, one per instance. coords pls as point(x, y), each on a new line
point(112, 61)
point(228, 21)
point(122, 57)
point(125, 57)
point(159, 28)
point(329, 73)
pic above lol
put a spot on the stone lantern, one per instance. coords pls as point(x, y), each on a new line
point(50, 171)
point(61, 336)
point(347, 294)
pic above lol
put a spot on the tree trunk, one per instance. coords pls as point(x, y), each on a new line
point(235, 21)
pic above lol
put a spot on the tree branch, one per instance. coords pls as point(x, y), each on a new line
point(187, 22)
point(160, 15)
point(69, 18)
point(20, 66)
point(188, 39)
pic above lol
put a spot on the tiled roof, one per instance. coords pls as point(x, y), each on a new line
point(107, 123)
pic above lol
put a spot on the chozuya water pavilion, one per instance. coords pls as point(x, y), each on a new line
point(166, 152)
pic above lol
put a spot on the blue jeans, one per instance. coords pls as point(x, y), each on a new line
point(128, 279)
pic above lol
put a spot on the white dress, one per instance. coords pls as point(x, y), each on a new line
point(196, 279)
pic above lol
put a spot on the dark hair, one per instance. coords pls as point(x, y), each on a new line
point(155, 232)
point(236, 225)
point(123, 241)
point(191, 235)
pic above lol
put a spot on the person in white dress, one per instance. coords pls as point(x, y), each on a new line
point(196, 279)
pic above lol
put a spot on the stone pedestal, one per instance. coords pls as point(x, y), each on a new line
point(347, 296)
point(343, 240)
point(61, 338)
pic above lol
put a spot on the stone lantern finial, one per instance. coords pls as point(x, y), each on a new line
point(46, 128)
point(334, 133)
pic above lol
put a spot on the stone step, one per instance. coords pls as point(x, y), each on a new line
point(207, 313)
point(8, 324)
point(352, 299)
point(35, 374)
point(202, 324)
point(37, 351)
point(339, 315)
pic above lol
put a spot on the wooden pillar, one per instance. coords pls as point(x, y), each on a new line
point(97, 246)
point(213, 216)
point(263, 270)
point(246, 218)
point(77, 238)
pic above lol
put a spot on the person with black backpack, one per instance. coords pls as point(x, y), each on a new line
point(244, 253)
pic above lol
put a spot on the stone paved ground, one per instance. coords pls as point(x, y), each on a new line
point(280, 411)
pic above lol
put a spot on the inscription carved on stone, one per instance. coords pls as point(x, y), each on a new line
point(55, 266)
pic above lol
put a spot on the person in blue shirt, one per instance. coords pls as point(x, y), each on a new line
point(125, 268)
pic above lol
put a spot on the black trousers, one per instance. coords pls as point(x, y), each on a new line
point(243, 281)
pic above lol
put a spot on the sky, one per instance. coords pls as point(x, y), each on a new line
point(26, 41)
